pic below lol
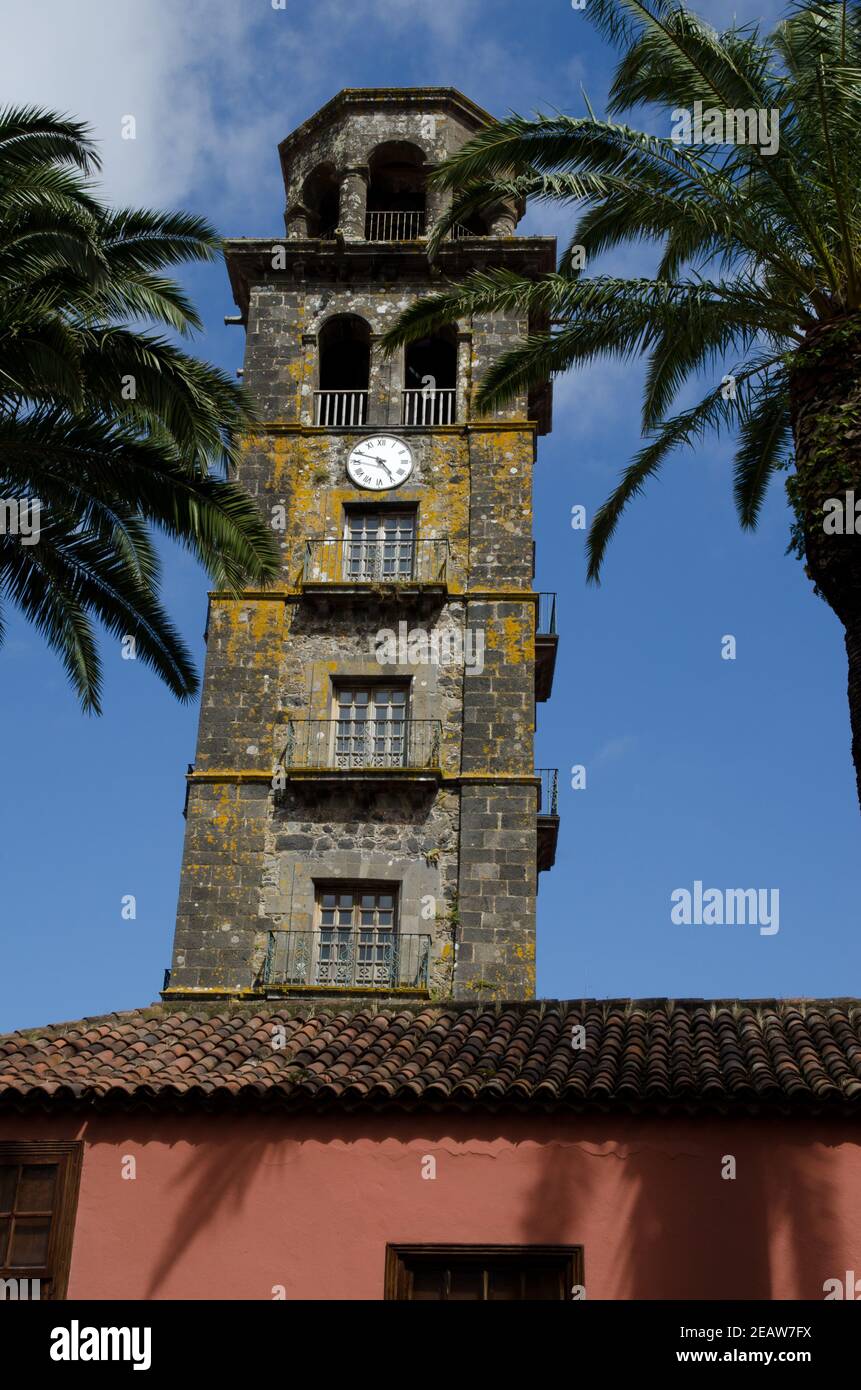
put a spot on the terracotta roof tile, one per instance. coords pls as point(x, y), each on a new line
point(637, 1055)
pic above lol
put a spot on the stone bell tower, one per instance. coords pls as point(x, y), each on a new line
point(363, 814)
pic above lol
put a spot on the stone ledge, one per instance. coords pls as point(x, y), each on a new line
point(272, 992)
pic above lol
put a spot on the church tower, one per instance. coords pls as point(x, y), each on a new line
point(363, 814)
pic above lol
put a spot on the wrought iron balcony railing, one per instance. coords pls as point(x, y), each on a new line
point(548, 816)
point(394, 226)
point(366, 958)
point(548, 792)
point(546, 624)
point(429, 406)
point(340, 409)
point(399, 560)
point(546, 642)
point(357, 745)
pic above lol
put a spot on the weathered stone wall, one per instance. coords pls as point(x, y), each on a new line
point(403, 836)
point(496, 907)
point(462, 851)
point(498, 818)
point(275, 350)
point(282, 360)
point(346, 143)
point(217, 926)
point(299, 479)
point(245, 642)
point(352, 141)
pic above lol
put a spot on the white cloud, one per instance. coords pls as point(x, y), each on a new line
point(212, 85)
point(215, 84)
point(615, 749)
point(102, 62)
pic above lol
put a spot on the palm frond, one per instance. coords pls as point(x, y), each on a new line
point(720, 409)
point(765, 437)
point(32, 135)
point(115, 430)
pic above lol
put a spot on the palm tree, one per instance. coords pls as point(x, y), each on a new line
point(758, 252)
point(107, 428)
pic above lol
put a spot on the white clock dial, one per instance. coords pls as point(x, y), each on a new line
point(379, 462)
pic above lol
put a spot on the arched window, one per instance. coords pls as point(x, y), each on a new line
point(396, 193)
point(320, 195)
point(344, 347)
point(430, 380)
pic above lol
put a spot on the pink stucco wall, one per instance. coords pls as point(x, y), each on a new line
point(227, 1208)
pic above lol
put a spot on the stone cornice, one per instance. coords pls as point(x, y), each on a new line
point(291, 594)
point(249, 260)
point(240, 776)
point(281, 427)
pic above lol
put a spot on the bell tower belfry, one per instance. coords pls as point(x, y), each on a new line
point(363, 814)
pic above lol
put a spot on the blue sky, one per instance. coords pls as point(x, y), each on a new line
point(736, 773)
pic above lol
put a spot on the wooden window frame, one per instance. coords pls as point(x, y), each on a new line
point(376, 508)
point(67, 1154)
point(370, 684)
point(366, 540)
point(397, 1275)
point(356, 886)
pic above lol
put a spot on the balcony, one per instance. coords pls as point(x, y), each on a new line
point(429, 406)
point(394, 226)
point(340, 409)
point(374, 750)
point(546, 643)
point(548, 816)
point(351, 566)
point(336, 961)
point(403, 226)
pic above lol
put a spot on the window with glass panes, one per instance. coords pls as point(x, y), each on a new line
point(356, 935)
point(370, 728)
point(379, 545)
point(38, 1193)
point(484, 1274)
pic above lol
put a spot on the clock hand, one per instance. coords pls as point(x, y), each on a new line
point(375, 458)
point(381, 463)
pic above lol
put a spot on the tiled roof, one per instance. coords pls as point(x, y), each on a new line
point(636, 1055)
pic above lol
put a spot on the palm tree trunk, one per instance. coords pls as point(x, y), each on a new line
point(825, 397)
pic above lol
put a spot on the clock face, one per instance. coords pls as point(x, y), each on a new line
point(379, 462)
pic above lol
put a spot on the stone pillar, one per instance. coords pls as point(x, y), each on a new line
point(353, 202)
point(384, 396)
point(464, 376)
point(502, 220)
point(438, 201)
point(296, 222)
point(310, 366)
